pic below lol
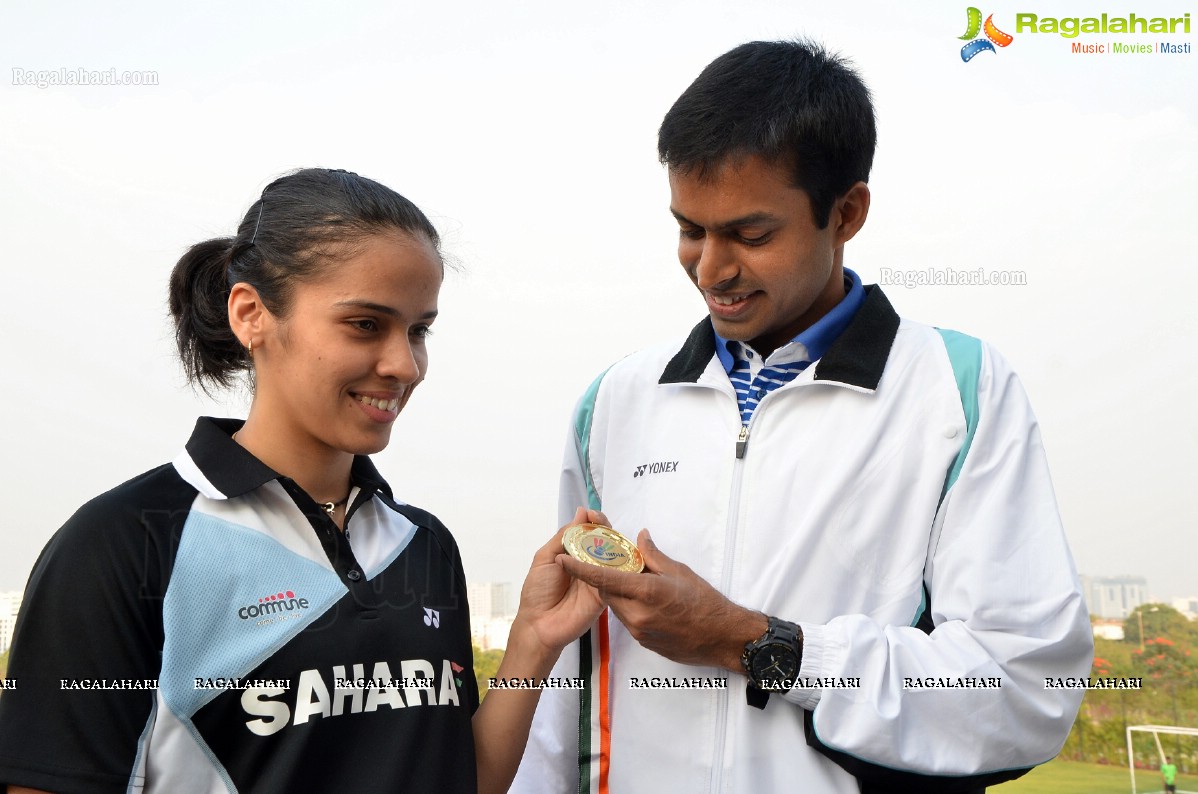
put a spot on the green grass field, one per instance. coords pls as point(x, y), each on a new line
point(1070, 777)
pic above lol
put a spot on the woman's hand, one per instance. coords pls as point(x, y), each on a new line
point(555, 607)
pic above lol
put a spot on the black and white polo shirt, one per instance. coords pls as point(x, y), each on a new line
point(205, 627)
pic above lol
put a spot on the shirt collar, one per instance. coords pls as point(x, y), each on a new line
point(818, 337)
point(234, 471)
point(857, 358)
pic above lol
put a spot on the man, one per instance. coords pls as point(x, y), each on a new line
point(1169, 774)
point(850, 519)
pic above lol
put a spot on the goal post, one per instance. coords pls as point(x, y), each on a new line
point(1156, 731)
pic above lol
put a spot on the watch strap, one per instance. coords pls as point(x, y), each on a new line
point(778, 631)
point(757, 698)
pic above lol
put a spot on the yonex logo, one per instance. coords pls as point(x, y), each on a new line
point(273, 604)
point(977, 45)
point(656, 468)
point(432, 618)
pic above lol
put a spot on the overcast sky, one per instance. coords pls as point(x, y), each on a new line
point(527, 132)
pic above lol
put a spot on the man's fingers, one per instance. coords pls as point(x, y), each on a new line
point(591, 574)
point(607, 581)
point(655, 559)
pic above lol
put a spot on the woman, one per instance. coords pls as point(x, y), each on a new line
point(306, 630)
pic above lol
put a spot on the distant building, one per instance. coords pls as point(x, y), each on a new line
point(1114, 596)
point(1108, 629)
point(10, 604)
point(492, 608)
point(492, 634)
point(1187, 606)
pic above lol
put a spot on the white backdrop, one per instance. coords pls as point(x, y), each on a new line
point(527, 132)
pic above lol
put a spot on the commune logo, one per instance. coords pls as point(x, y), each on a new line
point(272, 605)
point(993, 36)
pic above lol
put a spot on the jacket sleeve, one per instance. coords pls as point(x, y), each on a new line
point(1005, 605)
point(550, 761)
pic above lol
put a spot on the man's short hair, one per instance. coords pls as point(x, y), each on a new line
point(790, 102)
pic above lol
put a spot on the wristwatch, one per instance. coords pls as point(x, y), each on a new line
point(772, 661)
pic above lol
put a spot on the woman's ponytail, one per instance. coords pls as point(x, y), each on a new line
point(199, 297)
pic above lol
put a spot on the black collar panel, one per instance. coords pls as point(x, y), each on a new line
point(857, 357)
point(234, 471)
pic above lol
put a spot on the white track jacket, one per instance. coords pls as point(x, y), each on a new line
point(894, 500)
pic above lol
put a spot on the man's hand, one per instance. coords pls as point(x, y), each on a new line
point(671, 610)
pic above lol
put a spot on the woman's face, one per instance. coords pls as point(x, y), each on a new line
point(342, 365)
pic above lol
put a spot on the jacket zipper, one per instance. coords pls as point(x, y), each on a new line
point(742, 441)
point(742, 446)
point(721, 718)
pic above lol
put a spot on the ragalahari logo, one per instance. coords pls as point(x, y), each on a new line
point(993, 36)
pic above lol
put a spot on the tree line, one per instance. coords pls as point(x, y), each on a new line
point(1162, 656)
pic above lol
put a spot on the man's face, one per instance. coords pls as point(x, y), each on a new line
point(749, 242)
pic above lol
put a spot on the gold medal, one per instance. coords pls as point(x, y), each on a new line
point(603, 546)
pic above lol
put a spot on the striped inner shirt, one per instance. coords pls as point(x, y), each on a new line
point(753, 380)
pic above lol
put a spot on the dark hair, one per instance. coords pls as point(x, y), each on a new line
point(790, 102)
point(300, 223)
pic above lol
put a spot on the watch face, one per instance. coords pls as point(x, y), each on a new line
point(775, 666)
